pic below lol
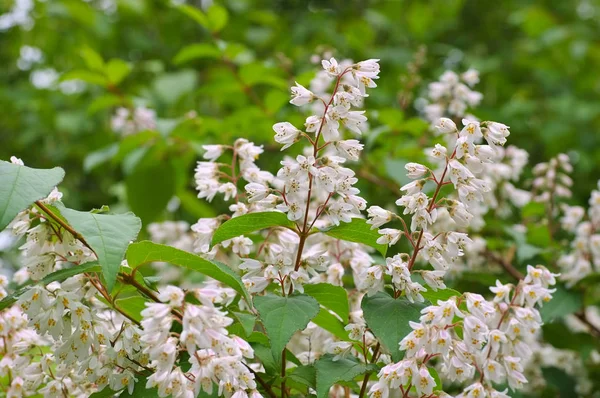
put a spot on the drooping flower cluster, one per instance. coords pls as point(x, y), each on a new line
point(213, 354)
point(481, 342)
point(584, 256)
point(437, 246)
point(307, 188)
point(127, 122)
point(552, 179)
point(451, 96)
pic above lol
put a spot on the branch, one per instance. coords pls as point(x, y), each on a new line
point(508, 267)
point(368, 374)
point(63, 224)
point(595, 330)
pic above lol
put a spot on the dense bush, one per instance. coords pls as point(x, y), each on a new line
point(390, 250)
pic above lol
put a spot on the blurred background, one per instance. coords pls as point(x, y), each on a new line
point(66, 66)
point(123, 94)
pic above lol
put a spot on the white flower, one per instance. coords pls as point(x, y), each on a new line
point(213, 152)
point(285, 133)
point(415, 170)
point(331, 67)
point(301, 96)
point(472, 130)
point(471, 77)
point(389, 236)
point(229, 190)
point(424, 383)
point(378, 216)
point(434, 279)
point(350, 149)
point(256, 192)
point(446, 125)
point(496, 134)
point(172, 295)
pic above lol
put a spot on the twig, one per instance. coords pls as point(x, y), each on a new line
point(508, 267)
point(363, 388)
point(63, 224)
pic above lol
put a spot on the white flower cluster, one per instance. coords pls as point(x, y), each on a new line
point(213, 355)
point(452, 95)
point(438, 248)
point(18, 15)
point(484, 342)
point(552, 179)
point(127, 122)
point(29, 56)
point(307, 187)
point(584, 256)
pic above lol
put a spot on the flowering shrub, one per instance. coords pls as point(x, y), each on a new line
point(292, 292)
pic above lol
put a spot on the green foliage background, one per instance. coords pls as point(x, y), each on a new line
point(538, 59)
point(216, 76)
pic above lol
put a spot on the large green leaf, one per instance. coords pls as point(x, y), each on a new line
point(330, 372)
point(441, 294)
point(132, 306)
point(246, 320)
point(249, 223)
point(194, 13)
point(108, 234)
point(195, 51)
point(388, 319)
point(305, 374)
point(329, 322)
point(284, 316)
point(564, 302)
point(150, 187)
point(147, 252)
point(20, 186)
point(331, 297)
point(57, 276)
point(357, 231)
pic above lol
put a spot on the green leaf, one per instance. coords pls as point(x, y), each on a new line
point(92, 59)
point(169, 87)
point(284, 316)
point(103, 102)
point(85, 75)
point(106, 392)
point(147, 252)
point(140, 390)
point(246, 320)
point(330, 372)
point(150, 187)
point(564, 302)
point(388, 319)
point(20, 186)
point(196, 208)
point(217, 17)
point(96, 158)
point(306, 375)
point(331, 297)
point(357, 231)
point(134, 142)
point(132, 306)
point(251, 222)
point(108, 234)
point(265, 356)
point(117, 70)
point(329, 322)
point(195, 51)
point(441, 294)
point(533, 209)
point(194, 13)
point(57, 276)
